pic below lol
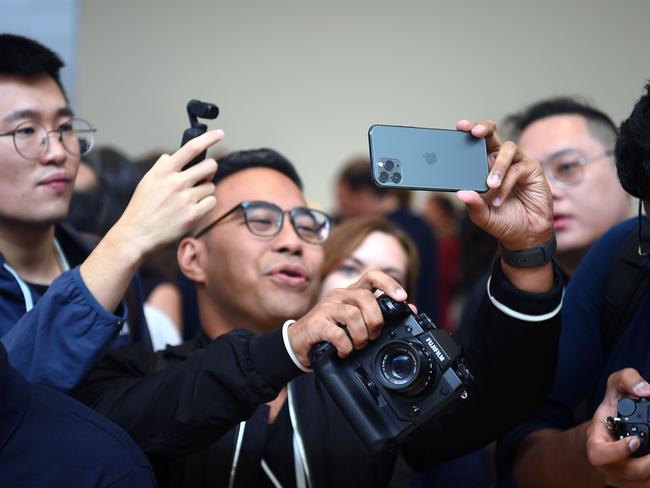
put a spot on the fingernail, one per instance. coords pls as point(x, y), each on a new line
point(497, 201)
point(400, 293)
point(642, 388)
point(494, 179)
point(634, 444)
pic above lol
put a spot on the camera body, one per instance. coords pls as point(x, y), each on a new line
point(632, 418)
point(410, 373)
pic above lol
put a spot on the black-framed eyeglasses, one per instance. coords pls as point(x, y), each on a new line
point(265, 219)
point(644, 238)
point(32, 140)
point(567, 168)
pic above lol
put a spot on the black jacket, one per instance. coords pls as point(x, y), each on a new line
point(174, 411)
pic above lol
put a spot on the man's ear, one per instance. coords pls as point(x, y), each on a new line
point(189, 255)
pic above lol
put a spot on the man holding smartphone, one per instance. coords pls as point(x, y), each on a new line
point(256, 268)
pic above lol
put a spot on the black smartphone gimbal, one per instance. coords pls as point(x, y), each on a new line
point(196, 109)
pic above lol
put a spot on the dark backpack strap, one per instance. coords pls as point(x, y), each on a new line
point(627, 284)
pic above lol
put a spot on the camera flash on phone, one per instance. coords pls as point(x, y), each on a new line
point(380, 164)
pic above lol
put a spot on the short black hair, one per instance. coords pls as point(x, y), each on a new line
point(256, 158)
point(633, 149)
point(20, 56)
point(357, 175)
point(599, 123)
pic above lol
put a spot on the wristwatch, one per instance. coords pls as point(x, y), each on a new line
point(531, 257)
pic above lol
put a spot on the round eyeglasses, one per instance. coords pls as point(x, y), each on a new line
point(567, 168)
point(32, 140)
point(265, 219)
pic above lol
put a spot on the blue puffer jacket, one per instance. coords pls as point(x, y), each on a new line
point(55, 339)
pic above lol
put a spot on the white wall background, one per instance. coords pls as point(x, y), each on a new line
point(308, 78)
point(51, 22)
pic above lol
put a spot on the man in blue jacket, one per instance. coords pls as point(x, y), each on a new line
point(60, 305)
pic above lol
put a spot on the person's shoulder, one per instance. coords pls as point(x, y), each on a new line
point(90, 439)
point(587, 285)
point(605, 248)
point(619, 232)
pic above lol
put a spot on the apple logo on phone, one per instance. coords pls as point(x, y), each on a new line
point(430, 157)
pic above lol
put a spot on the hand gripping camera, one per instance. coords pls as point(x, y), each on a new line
point(632, 418)
point(410, 373)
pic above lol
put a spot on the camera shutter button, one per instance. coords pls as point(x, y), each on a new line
point(626, 407)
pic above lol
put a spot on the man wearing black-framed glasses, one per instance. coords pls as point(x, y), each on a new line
point(265, 219)
point(255, 263)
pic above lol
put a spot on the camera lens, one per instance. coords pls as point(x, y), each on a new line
point(399, 366)
point(397, 177)
point(389, 165)
point(405, 367)
point(383, 177)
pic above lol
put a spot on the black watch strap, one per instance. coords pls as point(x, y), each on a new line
point(529, 258)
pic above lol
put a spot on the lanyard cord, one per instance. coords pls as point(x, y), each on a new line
point(62, 260)
point(303, 477)
point(270, 474)
point(24, 288)
point(235, 457)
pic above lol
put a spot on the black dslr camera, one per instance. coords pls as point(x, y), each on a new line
point(632, 419)
point(410, 373)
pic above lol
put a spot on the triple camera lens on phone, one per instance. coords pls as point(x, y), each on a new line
point(389, 170)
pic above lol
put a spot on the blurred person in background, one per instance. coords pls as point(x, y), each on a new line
point(97, 203)
point(604, 342)
point(441, 214)
point(357, 195)
point(358, 245)
point(574, 143)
